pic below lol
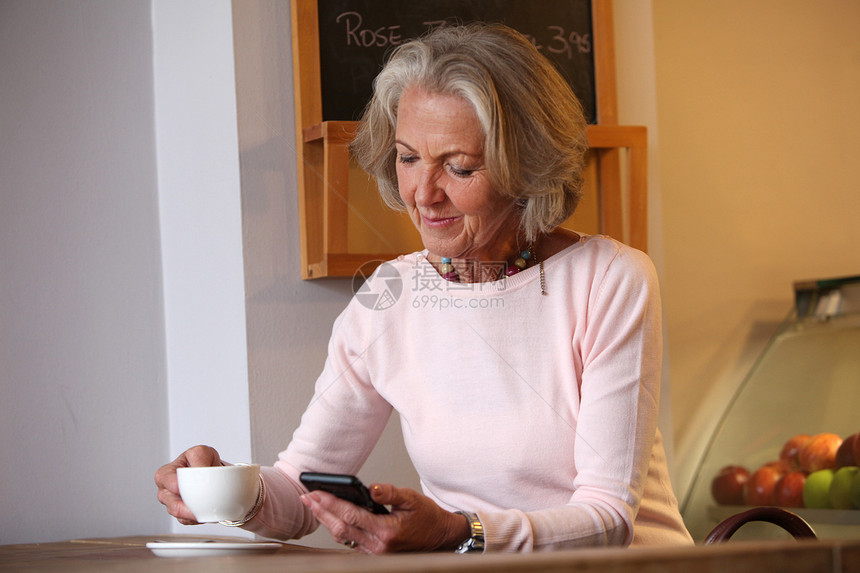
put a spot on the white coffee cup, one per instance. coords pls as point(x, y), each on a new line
point(219, 493)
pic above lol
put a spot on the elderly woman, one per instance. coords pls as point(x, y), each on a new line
point(523, 359)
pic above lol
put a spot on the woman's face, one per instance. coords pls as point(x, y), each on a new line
point(444, 182)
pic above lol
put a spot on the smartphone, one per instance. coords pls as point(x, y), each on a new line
point(344, 486)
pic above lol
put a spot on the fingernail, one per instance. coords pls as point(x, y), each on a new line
point(305, 500)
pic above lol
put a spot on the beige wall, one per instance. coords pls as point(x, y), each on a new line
point(759, 136)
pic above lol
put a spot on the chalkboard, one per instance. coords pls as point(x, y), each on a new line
point(356, 35)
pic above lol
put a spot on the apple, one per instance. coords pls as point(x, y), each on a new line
point(790, 450)
point(789, 489)
point(816, 490)
point(819, 453)
point(761, 485)
point(854, 491)
point(727, 487)
point(845, 454)
point(775, 464)
point(840, 487)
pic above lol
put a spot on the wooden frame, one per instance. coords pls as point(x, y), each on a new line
point(323, 156)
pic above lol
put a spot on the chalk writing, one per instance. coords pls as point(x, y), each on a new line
point(561, 42)
point(365, 37)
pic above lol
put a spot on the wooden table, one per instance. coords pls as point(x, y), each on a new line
point(130, 554)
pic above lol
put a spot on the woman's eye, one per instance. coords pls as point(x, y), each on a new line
point(460, 172)
point(407, 158)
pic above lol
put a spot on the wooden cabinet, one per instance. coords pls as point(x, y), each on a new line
point(343, 229)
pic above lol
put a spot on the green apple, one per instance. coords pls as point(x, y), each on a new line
point(854, 492)
point(840, 487)
point(816, 490)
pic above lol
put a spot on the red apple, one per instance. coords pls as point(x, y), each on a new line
point(845, 454)
point(789, 490)
point(788, 455)
point(727, 487)
point(819, 453)
point(761, 486)
point(775, 464)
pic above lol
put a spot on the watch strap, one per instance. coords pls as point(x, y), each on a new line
point(475, 543)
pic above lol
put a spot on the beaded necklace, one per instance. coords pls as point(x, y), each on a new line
point(520, 263)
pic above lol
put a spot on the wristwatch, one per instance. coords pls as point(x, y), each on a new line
point(475, 543)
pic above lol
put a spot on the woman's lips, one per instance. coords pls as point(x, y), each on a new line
point(439, 221)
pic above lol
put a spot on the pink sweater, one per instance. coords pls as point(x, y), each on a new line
point(539, 413)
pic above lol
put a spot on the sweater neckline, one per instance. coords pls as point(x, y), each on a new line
point(506, 283)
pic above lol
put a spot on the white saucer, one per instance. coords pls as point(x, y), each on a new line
point(209, 548)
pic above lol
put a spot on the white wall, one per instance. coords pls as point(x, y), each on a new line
point(201, 230)
point(121, 269)
point(83, 420)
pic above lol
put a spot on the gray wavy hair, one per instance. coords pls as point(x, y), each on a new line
point(534, 126)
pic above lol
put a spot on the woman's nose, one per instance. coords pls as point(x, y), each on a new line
point(428, 190)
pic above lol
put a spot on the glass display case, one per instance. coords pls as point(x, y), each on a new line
point(806, 381)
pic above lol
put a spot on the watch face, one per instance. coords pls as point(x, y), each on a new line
point(470, 545)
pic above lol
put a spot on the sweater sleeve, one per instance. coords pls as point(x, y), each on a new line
point(337, 432)
point(620, 352)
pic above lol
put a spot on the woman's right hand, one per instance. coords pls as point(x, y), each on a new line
point(168, 488)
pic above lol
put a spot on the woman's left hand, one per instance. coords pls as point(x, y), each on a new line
point(415, 523)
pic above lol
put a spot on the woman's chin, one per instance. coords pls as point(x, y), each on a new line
point(441, 247)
